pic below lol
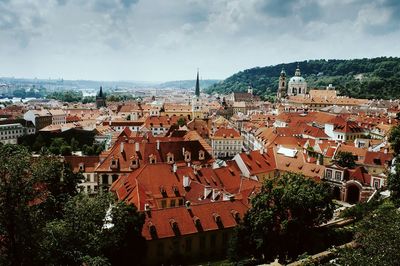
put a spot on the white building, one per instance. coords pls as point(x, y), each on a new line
point(11, 130)
point(226, 142)
point(297, 85)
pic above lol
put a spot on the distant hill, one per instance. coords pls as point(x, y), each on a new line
point(188, 84)
point(363, 78)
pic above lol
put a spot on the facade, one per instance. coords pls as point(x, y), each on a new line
point(58, 117)
point(11, 130)
point(226, 142)
point(85, 165)
point(39, 118)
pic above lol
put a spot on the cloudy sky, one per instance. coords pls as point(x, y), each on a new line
point(157, 40)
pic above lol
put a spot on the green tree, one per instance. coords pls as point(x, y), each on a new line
point(74, 144)
point(282, 216)
point(181, 122)
point(378, 239)
point(345, 159)
point(18, 194)
point(81, 236)
point(394, 139)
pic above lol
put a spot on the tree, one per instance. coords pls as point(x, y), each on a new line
point(378, 239)
point(282, 215)
point(394, 139)
point(181, 122)
point(18, 194)
point(80, 236)
point(345, 159)
point(74, 144)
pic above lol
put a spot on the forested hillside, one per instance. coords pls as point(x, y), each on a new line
point(362, 78)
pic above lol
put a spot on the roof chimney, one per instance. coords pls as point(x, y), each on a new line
point(137, 146)
point(183, 150)
point(122, 147)
point(158, 144)
point(174, 168)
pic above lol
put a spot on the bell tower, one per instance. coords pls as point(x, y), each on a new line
point(281, 86)
point(196, 102)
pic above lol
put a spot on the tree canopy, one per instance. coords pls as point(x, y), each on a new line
point(345, 159)
point(378, 239)
point(281, 216)
point(361, 78)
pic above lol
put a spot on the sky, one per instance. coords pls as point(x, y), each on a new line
point(160, 40)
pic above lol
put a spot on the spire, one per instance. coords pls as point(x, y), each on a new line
point(101, 92)
point(283, 73)
point(197, 92)
point(297, 73)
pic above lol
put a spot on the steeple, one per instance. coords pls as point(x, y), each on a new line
point(101, 92)
point(283, 73)
point(197, 92)
point(297, 73)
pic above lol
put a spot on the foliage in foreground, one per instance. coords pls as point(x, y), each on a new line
point(378, 239)
point(43, 221)
point(282, 217)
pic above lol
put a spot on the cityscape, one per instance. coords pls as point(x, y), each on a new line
point(238, 156)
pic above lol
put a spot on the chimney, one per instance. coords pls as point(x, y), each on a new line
point(262, 150)
point(158, 144)
point(137, 146)
point(385, 151)
point(183, 150)
point(122, 147)
point(186, 181)
point(174, 168)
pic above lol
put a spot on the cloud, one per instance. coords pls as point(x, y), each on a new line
point(167, 39)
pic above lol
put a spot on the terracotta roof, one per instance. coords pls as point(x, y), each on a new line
point(258, 163)
point(88, 163)
point(171, 222)
point(226, 133)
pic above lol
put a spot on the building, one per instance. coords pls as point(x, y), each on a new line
point(39, 118)
point(297, 84)
point(12, 129)
point(100, 99)
point(85, 165)
point(196, 101)
point(58, 117)
point(282, 85)
point(226, 142)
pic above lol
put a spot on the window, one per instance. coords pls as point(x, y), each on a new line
point(180, 202)
point(163, 204)
point(329, 174)
point(172, 203)
point(188, 245)
point(377, 183)
point(213, 240)
point(160, 249)
point(202, 242)
point(338, 175)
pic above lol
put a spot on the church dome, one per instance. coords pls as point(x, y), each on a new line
point(297, 79)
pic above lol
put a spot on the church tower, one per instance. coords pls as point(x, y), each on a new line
point(281, 86)
point(196, 102)
point(100, 99)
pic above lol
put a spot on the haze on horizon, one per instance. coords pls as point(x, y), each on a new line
point(158, 40)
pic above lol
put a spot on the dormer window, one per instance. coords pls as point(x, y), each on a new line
point(217, 218)
point(114, 163)
point(170, 158)
point(201, 155)
point(152, 159)
point(187, 156)
point(134, 162)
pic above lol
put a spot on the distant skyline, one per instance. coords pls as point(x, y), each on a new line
point(162, 40)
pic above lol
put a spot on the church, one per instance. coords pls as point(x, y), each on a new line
point(297, 85)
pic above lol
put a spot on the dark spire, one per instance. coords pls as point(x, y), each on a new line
point(101, 92)
point(197, 93)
